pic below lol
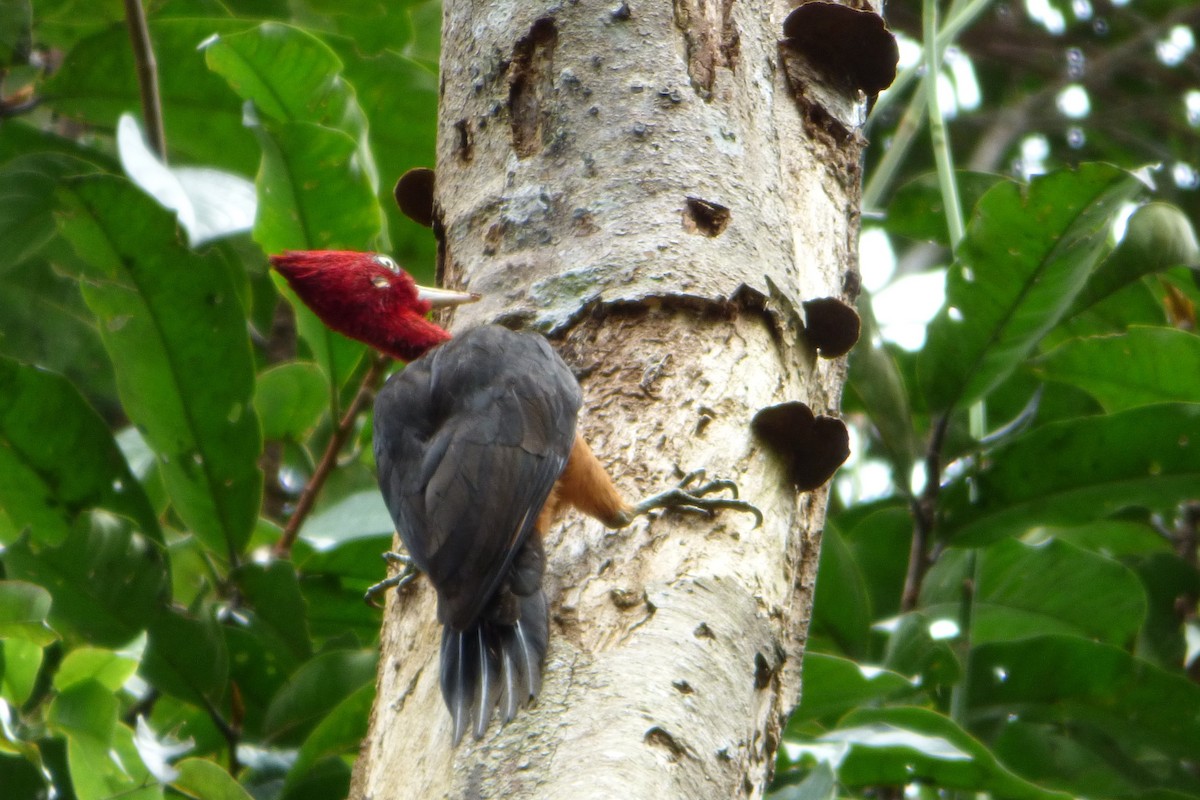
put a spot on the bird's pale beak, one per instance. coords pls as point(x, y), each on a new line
point(441, 298)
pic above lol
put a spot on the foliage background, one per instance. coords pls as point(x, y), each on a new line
point(1015, 615)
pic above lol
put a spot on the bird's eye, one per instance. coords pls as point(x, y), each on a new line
point(380, 282)
point(387, 263)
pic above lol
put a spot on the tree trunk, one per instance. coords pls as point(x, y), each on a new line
point(639, 182)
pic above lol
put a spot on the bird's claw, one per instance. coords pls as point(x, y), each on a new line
point(407, 572)
point(695, 499)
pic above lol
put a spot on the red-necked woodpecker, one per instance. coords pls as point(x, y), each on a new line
point(476, 450)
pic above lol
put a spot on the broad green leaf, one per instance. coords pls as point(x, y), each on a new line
point(202, 117)
point(1167, 578)
point(44, 321)
point(24, 608)
point(841, 605)
point(1082, 762)
point(916, 210)
point(339, 732)
point(1145, 365)
point(273, 592)
point(1110, 538)
point(1079, 683)
point(177, 337)
point(207, 780)
point(399, 97)
point(876, 381)
point(85, 709)
point(317, 183)
point(880, 542)
point(27, 202)
point(309, 194)
point(1023, 590)
point(834, 686)
point(290, 399)
point(818, 784)
point(1027, 253)
point(289, 75)
point(20, 660)
point(100, 754)
point(110, 669)
point(1157, 237)
point(315, 690)
point(21, 777)
point(107, 580)
point(1079, 470)
point(913, 651)
point(259, 663)
point(186, 657)
point(58, 459)
point(903, 745)
point(358, 515)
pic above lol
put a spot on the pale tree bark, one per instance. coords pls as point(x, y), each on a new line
point(640, 182)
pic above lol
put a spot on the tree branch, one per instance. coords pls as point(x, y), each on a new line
point(924, 511)
point(366, 390)
point(147, 75)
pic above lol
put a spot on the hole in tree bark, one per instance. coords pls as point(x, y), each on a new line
point(464, 144)
point(531, 81)
point(705, 217)
point(657, 737)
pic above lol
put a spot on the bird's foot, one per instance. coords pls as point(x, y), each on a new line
point(693, 495)
point(407, 572)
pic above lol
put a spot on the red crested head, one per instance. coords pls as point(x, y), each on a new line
point(367, 297)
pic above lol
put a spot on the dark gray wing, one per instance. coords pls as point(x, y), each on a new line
point(469, 441)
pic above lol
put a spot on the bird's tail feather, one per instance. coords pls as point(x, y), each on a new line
point(492, 664)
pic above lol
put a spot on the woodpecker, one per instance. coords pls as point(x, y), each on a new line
point(476, 451)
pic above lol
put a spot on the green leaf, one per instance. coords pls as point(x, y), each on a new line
point(1079, 470)
point(317, 183)
point(289, 399)
point(841, 605)
point(1145, 365)
point(202, 117)
point(288, 74)
point(1027, 253)
point(1158, 236)
point(339, 732)
point(1079, 683)
point(1023, 590)
point(913, 651)
point(186, 657)
point(24, 608)
point(27, 202)
point(818, 784)
point(177, 337)
point(916, 209)
point(100, 755)
point(20, 663)
point(309, 195)
point(356, 516)
point(315, 690)
point(207, 780)
point(273, 591)
point(58, 459)
point(876, 380)
point(901, 746)
point(833, 686)
point(111, 670)
point(1075, 760)
point(107, 580)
